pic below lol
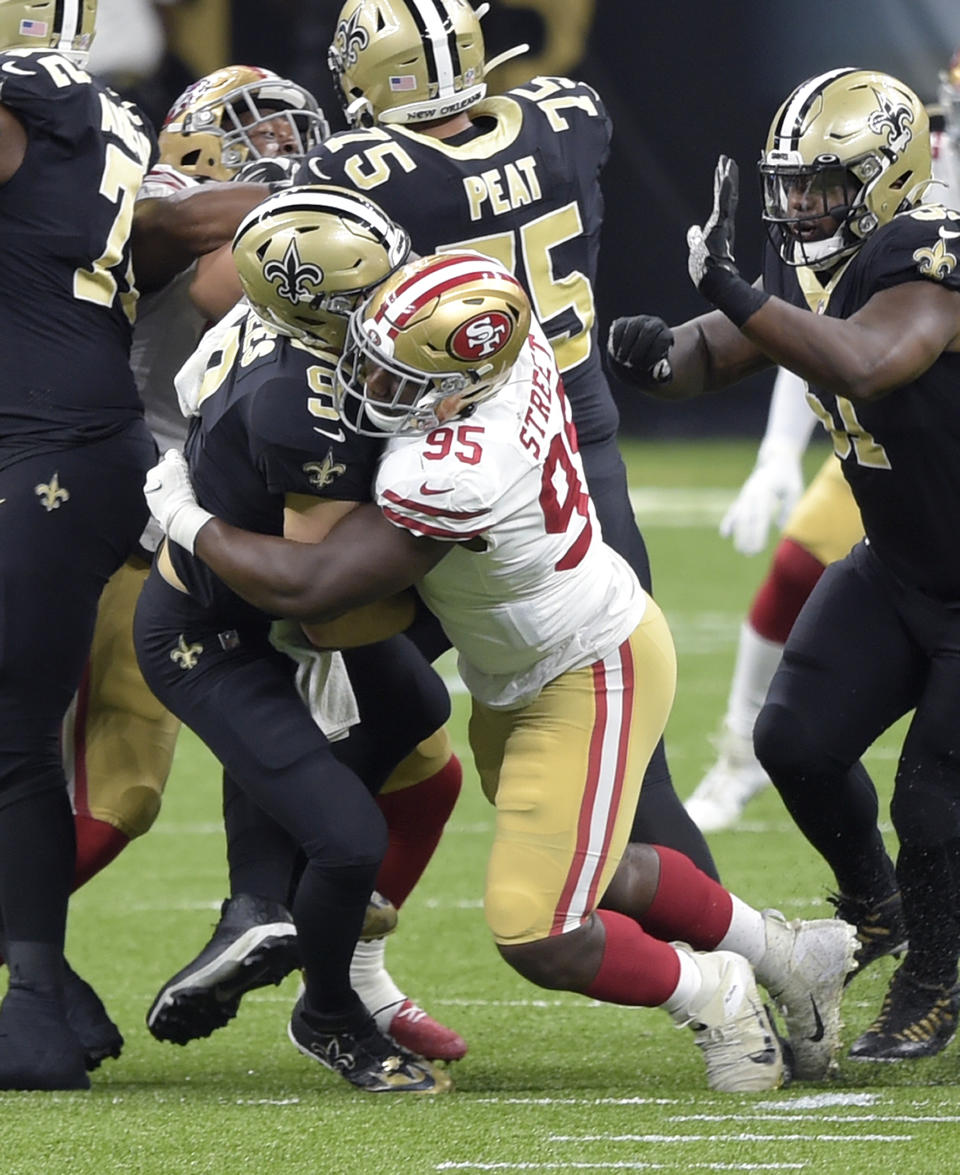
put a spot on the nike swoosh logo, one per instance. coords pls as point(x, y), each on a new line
point(339, 435)
point(427, 491)
point(9, 67)
point(818, 1034)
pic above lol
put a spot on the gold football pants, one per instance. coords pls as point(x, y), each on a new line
point(564, 774)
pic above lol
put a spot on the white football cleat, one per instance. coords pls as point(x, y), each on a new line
point(731, 1026)
point(804, 969)
point(735, 778)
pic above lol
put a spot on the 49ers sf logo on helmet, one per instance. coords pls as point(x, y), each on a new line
point(481, 336)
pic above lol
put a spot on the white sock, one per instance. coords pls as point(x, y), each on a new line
point(372, 982)
point(756, 663)
point(746, 933)
point(687, 989)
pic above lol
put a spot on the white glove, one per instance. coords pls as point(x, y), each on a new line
point(767, 496)
point(172, 501)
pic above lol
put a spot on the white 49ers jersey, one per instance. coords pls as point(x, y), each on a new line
point(167, 329)
point(530, 590)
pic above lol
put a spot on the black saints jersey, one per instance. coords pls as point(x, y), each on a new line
point(522, 186)
point(901, 453)
point(267, 427)
point(67, 298)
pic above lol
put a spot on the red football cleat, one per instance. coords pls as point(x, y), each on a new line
point(414, 1029)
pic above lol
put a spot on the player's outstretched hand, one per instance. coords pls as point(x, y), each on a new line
point(766, 497)
point(712, 246)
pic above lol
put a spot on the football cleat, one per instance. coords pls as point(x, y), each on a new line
point(735, 778)
point(38, 1048)
point(254, 944)
point(916, 1020)
point(804, 969)
point(88, 1018)
point(380, 918)
point(881, 927)
point(731, 1026)
point(365, 1057)
point(418, 1032)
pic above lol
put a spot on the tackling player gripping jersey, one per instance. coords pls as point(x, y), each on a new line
point(59, 232)
point(520, 186)
point(529, 590)
point(897, 451)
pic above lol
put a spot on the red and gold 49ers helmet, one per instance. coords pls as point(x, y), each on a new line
point(67, 26)
point(439, 336)
point(210, 130)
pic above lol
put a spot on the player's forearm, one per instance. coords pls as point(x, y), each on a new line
point(703, 360)
point(280, 577)
point(836, 355)
point(169, 233)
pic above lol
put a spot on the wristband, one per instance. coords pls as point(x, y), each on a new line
point(186, 523)
point(736, 298)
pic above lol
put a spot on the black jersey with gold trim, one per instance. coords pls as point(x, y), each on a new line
point(67, 298)
point(522, 185)
point(901, 453)
point(268, 427)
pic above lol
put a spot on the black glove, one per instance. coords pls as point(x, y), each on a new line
point(712, 246)
point(712, 267)
point(279, 171)
point(638, 348)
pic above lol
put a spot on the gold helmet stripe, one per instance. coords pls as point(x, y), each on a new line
point(790, 126)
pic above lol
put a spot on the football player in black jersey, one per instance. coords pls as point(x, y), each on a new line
point(266, 447)
point(860, 295)
point(515, 177)
point(73, 448)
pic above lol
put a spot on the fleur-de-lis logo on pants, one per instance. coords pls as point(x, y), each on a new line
point(185, 655)
point(51, 493)
point(293, 278)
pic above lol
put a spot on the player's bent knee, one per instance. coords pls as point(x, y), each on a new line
point(514, 916)
point(783, 744)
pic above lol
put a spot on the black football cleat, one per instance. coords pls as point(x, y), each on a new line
point(881, 927)
point(365, 1057)
point(38, 1048)
point(254, 945)
point(88, 1018)
point(916, 1020)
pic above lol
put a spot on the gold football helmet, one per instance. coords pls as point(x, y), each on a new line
point(67, 26)
point(308, 256)
point(441, 335)
point(409, 61)
point(850, 144)
point(207, 131)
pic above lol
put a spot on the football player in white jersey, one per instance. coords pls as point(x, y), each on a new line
point(481, 502)
point(819, 527)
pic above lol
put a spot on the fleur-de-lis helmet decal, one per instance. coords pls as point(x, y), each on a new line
point(292, 278)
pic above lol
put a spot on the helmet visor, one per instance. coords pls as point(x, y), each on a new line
point(807, 208)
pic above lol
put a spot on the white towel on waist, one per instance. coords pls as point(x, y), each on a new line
point(321, 678)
